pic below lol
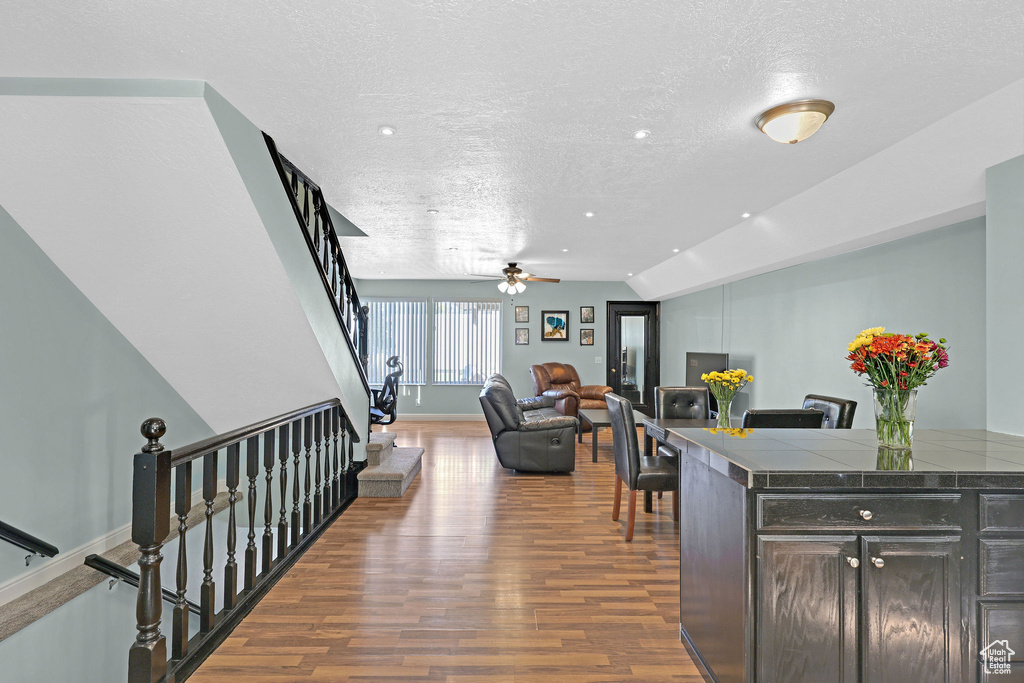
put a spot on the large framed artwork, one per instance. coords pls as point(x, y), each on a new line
point(554, 325)
point(522, 314)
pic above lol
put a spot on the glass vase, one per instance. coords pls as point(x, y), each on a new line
point(895, 410)
point(894, 460)
point(724, 407)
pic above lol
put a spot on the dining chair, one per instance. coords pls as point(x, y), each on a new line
point(838, 411)
point(637, 472)
point(785, 418)
point(680, 403)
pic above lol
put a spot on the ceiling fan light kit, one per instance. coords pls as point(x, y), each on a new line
point(794, 121)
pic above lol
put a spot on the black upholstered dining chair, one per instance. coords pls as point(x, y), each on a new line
point(800, 418)
point(838, 411)
point(680, 403)
point(637, 472)
point(384, 406)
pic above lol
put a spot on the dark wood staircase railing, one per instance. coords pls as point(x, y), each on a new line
point(322, 239)
point(321, 435)
point(26, 541)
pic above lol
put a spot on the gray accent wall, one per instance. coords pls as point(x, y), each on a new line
point(1004, 200)
point(790, 327)
point(74, 393)
point(516, 360)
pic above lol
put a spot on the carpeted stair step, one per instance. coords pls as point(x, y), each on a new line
point(391, 478)
point(379, 448)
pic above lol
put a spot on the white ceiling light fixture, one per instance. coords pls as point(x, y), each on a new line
point(589, 214)
point(387, 130)
point(675, 251)
point(503, 287)
point(629, 274)
point(641, 134)
point(745, 215)
point(432, 212)
point(564, 250)
point(795, 121)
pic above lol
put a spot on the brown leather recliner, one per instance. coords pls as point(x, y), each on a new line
point(561, 382)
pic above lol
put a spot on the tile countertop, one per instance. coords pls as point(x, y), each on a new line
point(840, 458)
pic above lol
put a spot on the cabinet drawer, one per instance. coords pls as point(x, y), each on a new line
point(933, 511)
point(1001, 567)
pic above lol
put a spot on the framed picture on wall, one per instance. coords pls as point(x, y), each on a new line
point(586, 337)
point(522, 336)
point(586, 315)
point(522, 314)
point(554, 325)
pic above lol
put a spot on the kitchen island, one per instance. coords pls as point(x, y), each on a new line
point(801, 561)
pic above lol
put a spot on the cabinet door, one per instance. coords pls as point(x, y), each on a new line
point(910, 608)
point(807, 609)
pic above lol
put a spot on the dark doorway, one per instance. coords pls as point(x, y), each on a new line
point(634, 362)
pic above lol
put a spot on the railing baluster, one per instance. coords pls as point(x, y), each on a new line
point(296, 445)
point(231, 567)
point(268, 504)
point(208, 591)
point(307, 442)
point(252, 470)
point(151, 504)
point(325, 434)
point(336, 488)
point(282, 525)
point(182, 506)
point(318, 500)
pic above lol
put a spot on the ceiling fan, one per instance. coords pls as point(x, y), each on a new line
point(512, 279)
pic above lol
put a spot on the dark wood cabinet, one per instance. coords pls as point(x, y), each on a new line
point(807, 604)
point(910, 608)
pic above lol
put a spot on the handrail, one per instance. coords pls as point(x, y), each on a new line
point(26, 541)
point(297, 508)
point(334, 271)
point(114, 570)
point(199, 448)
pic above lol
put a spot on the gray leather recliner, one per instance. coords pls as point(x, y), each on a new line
point(528, 434)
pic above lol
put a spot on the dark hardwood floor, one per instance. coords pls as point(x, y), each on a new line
point(476, 574)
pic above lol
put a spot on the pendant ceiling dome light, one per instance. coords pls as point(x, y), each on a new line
point(795, 121)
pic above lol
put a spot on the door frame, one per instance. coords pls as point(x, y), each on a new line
point(651, 312)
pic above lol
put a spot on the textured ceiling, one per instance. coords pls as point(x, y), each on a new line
point(515, 118)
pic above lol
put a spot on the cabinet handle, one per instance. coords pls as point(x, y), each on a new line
point(853, 562)
point(866, 514)
point(878, 562)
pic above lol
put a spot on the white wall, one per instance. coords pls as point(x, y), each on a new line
point(1005, 287)
point(790, 328)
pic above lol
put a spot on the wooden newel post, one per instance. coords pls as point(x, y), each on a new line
point(151, 512)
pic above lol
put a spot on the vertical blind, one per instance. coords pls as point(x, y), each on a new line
point(397, 327)
point(467, 341)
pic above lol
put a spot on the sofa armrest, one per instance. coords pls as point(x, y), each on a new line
point(535, 402)
point(594, 392)
point(559, 394)
point(549, 423)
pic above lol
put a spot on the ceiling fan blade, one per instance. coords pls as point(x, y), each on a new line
point(540, 279)
point(489, 277)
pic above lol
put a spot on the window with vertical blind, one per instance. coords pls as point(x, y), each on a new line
point(467, 341)
point(397, 327)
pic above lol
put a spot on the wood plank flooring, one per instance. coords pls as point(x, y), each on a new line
point(476, 574)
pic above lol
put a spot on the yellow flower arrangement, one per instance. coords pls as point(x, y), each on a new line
point(724, 385)
point(740, 432)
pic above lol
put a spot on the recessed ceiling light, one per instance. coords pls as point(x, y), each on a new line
point(381, 272)
point(387, 130)
point(629, 274)
point(745, 215)
point(641, 134)
point(675, 251)
point(453, 248)
point(565, 250)
point(795, 121)
point(432, 211)
point(589, 214)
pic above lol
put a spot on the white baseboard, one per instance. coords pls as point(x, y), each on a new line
point(441, 417)
point(48, 569)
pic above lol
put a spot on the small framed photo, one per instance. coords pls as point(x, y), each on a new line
point(586, 337)
point(522, 314)
point(554, 325)
point(587, 315)
point(522, 336)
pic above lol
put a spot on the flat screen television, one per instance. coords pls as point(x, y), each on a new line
point(698, 364)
